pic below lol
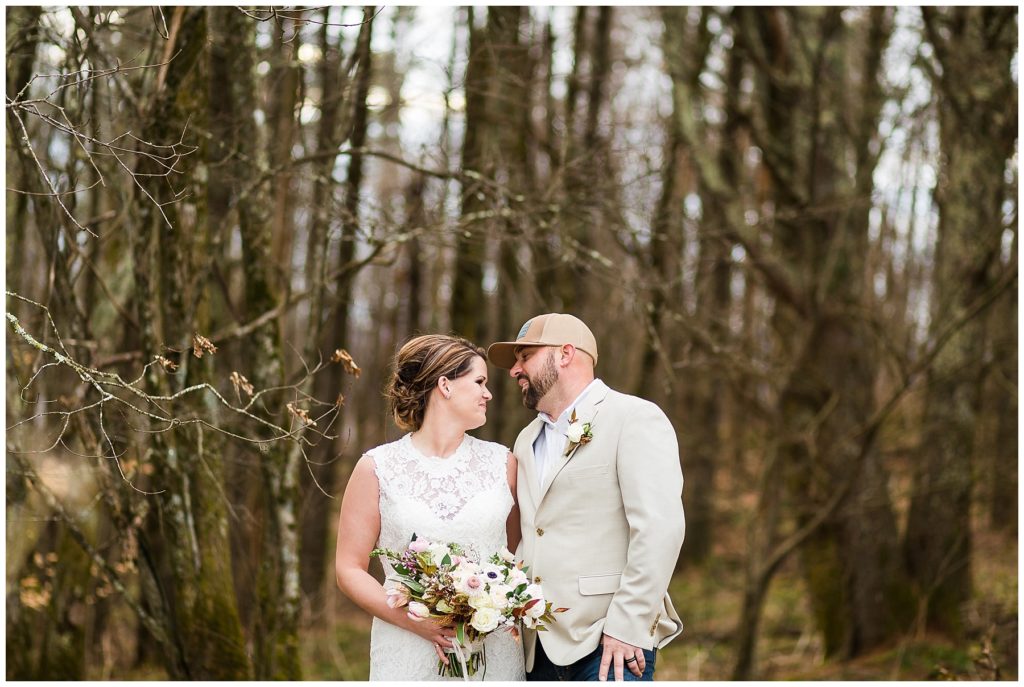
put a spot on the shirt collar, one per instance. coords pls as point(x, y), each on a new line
point(563, 419)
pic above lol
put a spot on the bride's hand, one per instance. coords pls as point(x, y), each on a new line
point(438, 635)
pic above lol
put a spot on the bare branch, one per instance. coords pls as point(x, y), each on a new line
point(109, 385)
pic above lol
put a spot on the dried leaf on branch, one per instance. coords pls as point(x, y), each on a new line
point(342, 356)
point(302, 414)
point(241, 384)
point(168, 365)
point(200, 345)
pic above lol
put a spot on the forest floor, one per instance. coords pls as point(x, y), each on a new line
point(335, 644)
point(708, 599)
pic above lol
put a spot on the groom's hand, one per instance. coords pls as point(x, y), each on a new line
point(619, 654)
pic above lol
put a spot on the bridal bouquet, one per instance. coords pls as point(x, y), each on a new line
point(476, 597)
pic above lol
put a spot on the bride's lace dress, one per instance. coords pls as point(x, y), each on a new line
point(463, 498)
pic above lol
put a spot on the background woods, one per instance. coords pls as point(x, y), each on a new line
point(795, 229)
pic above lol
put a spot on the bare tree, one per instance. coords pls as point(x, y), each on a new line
point(977, 133)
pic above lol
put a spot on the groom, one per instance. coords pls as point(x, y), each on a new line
point(600, 493)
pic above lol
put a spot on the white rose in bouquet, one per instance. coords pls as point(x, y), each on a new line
point(499, 595)
point(485, 619)
point(536, 610)
point(481, 600)
point(534, 592)
point(464, 567)
point(517, 577)
point(438, 552)
point(506, 555)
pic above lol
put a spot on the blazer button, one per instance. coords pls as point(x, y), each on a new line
point(540, 532)
point(537, 579)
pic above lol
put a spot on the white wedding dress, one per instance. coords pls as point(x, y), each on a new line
point(463, 498)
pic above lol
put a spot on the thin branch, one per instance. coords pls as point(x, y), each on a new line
point(274, 13)
point(105, 383)
point(56, 194)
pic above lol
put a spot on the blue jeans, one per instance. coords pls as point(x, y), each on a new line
point(586, 669)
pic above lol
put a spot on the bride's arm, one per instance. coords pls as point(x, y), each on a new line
point(358, 529)
point(513, 527)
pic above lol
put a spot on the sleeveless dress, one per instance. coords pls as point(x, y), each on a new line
point(463, 498)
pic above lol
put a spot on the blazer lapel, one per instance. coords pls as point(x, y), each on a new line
point(529, 461)
point(585, 412)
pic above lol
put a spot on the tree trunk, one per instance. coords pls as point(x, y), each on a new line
point(544, 261)
point(510, 111)
point(977, 130)
point(586, 164)
point(697, 395)
point(467, 306)
point(193, 570)
point(662, 258)
point(277, 587)
point(857, 585)
point(284, 86)
point(1004, 467)
point(328, 385)
point(22, 40)
point(322, 466)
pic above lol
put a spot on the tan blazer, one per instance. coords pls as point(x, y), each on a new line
point(603, 533)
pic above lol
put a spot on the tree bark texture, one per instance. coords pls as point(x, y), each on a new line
point(856, 580)
point(323, 457)
point(193, 570)
point(509, 104)
point(278, 601)
point(977, 129)
point(467, 304)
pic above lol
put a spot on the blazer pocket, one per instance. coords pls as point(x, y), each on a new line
point(587, 473)
point(591, 585)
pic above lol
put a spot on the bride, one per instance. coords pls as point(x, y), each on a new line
point(439, 483)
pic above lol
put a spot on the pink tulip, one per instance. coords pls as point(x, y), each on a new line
point(418, 546)
point(418, 611)
point(397, 597)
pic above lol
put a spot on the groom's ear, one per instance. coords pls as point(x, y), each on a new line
point(568, 353)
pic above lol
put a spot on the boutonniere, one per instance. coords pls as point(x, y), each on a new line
point(579, 433)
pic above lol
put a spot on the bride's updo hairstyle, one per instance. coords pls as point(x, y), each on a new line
point(419, 364)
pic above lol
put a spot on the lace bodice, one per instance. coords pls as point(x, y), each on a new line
point(463, 498)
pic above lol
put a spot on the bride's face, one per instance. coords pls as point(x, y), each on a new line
point(469, 395)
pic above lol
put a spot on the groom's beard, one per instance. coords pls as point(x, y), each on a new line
point(536, 389)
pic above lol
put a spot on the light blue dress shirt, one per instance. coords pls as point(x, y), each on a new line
point(550, 444)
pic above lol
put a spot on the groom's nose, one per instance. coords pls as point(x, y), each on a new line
point(516, 369)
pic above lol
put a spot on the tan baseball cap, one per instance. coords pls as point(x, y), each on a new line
point(552, 329)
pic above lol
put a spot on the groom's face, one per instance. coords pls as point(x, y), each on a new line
point(535, 372)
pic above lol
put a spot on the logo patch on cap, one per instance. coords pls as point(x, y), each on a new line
point(522, 332)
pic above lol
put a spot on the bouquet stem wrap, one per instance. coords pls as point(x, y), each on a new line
point(470, 656)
